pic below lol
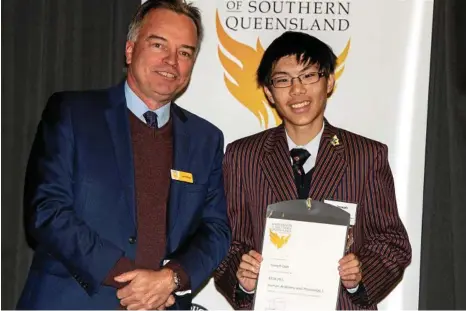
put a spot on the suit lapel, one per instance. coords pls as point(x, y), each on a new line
point(181, 150)
point(118, 124)
point(276, 165)
point(330, 164)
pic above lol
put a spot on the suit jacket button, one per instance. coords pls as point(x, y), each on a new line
point(132, 240)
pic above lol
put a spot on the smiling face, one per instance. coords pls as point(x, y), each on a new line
point(161, 59)
point(299, 105)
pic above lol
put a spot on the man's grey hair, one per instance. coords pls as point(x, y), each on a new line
point(177, 6)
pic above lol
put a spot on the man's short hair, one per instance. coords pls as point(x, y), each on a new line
point(306, 48)
point(177, 6)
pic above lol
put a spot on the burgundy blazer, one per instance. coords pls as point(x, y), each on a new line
point(257, 172)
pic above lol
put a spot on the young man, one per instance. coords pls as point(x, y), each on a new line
point(127, 187)
point(308, 157)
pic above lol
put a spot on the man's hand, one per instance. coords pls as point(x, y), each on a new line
point(248, 270)
point(168, 303)
point(147, 289)
point(350, 271)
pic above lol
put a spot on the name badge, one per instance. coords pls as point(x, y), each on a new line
point(348, 207)
point(182, 176)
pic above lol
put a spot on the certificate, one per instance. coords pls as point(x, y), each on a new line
point(303, 242)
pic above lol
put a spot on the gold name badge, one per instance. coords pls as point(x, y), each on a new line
point(182, 176)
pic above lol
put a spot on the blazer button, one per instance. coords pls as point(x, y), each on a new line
point(132, 240)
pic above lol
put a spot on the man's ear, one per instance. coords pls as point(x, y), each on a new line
point(330, 84)
point(129, 48)
point(268, 94)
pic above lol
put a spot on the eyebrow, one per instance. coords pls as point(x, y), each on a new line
point(155, 37)
point(287, 73)
point(307, 68)
point(280, 73)
point(189, 47)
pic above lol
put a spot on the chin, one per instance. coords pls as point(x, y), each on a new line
point(301, 121)
point(164, 90)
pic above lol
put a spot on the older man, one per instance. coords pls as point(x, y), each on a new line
point(127, 187)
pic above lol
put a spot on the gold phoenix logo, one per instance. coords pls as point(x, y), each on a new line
point(277, 240)
point(244, 87)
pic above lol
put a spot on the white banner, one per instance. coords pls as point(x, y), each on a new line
point(384, 56)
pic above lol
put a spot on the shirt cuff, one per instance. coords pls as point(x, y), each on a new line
point(247, 292)
point(185, 283)
point(353, 290)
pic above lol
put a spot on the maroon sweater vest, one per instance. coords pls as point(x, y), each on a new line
point(153, 156)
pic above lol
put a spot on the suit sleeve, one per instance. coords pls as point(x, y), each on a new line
point(242, 236)
point(210, 243)
point(386, 251)
point(54, 223)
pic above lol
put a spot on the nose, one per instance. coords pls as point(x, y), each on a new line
point(297, 88)
point(171, 58)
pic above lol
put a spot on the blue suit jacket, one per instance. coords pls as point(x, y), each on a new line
point(80, 186)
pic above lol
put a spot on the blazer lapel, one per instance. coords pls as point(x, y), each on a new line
point(181, 148)
point(118, 124)
point(330, 164)
point(276, 164)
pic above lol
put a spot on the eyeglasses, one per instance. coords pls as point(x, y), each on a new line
point(305, 78)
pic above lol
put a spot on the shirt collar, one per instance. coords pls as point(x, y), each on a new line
point(138, 107)
point(312, 147)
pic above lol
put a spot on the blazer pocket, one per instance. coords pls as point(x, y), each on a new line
point(194, 188)
point(189, 187)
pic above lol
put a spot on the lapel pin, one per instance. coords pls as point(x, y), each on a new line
point(309, 203)
point(335, 141)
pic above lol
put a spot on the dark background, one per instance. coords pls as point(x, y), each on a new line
point(47, 46)
point(53, 45)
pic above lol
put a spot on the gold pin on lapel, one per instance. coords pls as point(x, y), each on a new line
point(309, 203)
point(335, 141)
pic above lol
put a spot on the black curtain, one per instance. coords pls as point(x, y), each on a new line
point(47, 46)
point(443, 255)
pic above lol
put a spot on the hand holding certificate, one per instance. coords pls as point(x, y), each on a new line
point(303, 242)
point(248, 270)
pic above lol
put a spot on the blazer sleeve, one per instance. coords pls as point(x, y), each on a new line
point(49, 195)
point(386, 251)
point(242, 235)
point(210, 242)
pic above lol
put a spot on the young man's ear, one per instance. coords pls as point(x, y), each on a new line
point(330, 84)
point(268, 94)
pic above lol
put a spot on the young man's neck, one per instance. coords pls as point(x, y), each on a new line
point(302, 135)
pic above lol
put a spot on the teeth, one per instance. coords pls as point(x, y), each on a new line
point(166, 74)
point(300, 105)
